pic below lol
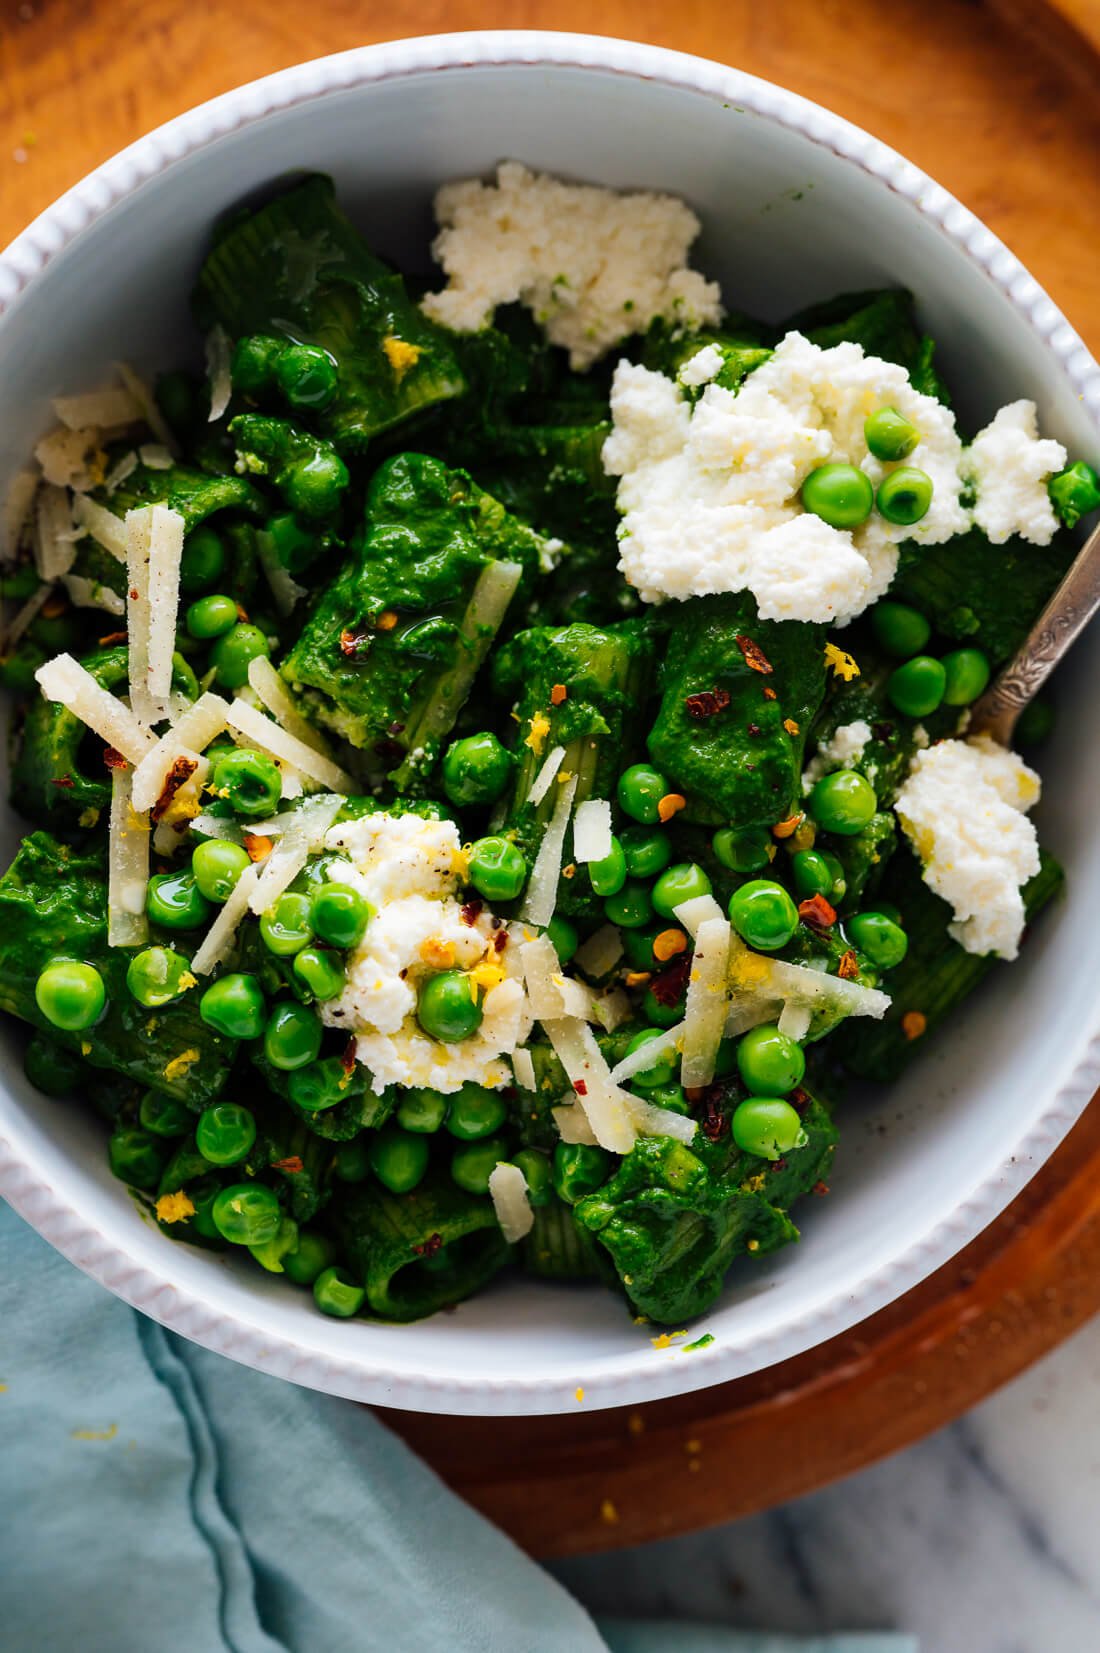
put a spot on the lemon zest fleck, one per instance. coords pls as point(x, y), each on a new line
point(842, 664)
point(175, 1208)
point(401, 355)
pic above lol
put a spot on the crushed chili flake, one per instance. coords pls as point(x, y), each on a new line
point(820, 1188)
point(386, 620)
point(395, 728)
point(848, 968)
point(347, 1057)
point(64, 780)
point(637, 978)
point(570, 871)
point(707, 703)
point(500, 941)
point(292, 1164)
point(135, 594)
point(818, 912)
point(670, 805)
point(430, 1247)
point(769, 693)
point(580, 1087)
point(784, 828)
point(258, 847)
point(558, 693)
point(791, 726)
point(754, 729)
point(179, 774)
point(471, 912)
point(799, 1099)
point(54, 606)
point(242, 613)
point(776, 1165)
point(714, 1121)
point(113, 759)
point(668, 988)
point(755, 658)
point(353, 643)
point(111, 639)
point(913, 1024)
point(668, 944)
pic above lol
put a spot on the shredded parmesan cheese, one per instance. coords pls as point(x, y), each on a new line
point(651, 1120)
point(54, 547)
point(65, 680)
point(146, 401)
point(17, 505)
point(85, 593)
point(600, 1098)
point(648, 1054)
point(707, 1002)
point(592, 830)
point(542, 887)
point(217, 371)
point(696, 912)
point(108, 408)
point(127, 866)
point(71, 458)
point(193, 731)
point(292, 851)
point(794, 1020)
point(105, 528)
point(281, 744)
point(546, 776)
point(508, 1192)
point(218, 941)
point(573, 1126)
point(154, 546)
point(284, 587)
point(523, 1068)
point(23, 618)
point(272, 692)
point(601, 952)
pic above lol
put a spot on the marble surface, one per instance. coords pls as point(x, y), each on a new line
point(985, 1538)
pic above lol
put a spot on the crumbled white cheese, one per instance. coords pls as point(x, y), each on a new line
point(842, 750)
point(710, 495)
point(963, 808)
point(702, 367)
point(410, 870)
point(592, 266)
point(1009, 464)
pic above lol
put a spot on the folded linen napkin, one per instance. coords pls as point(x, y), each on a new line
point(158, 1497)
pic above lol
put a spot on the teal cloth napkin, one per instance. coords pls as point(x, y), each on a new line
point(158, 1497)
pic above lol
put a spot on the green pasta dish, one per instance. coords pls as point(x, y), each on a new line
point(494, 750)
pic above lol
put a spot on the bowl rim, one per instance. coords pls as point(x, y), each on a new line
point(394, 1380)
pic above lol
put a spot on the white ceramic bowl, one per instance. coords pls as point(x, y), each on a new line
point(797, 205)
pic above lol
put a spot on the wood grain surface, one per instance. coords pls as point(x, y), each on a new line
point(998, 102)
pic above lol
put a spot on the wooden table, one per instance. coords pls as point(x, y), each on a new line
point(998, 102)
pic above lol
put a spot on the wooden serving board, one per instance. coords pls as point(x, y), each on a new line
point(995, 100)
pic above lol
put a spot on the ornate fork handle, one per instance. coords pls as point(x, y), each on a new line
point(1050, 638)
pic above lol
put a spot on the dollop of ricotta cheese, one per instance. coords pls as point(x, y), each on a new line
point(410, 870)
point(709, 495)
point(843, 750)
point(1009, 464)
point(591, 265)
point(964, 809)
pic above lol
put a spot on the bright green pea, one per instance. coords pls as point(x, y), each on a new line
point(285, 927)
point(672, 1097)
point(234, 1006)
point(917, 688)
point(155, 976)
point(839, 494)
point(310, 1257)
point(50, 1068)
point(475, 1112)
point(422, 1112)
point(292, 1037)
point(352, 1159)
point(578, 1169)
point(318, 1085)
point(763, 914)
point(321, 971)
point(770, 1063)
point(249, 781)
point(884, 942)
point(564, 937)
point(137, 1157)
point(537, 1175)
point(889, 435)
point(843, 802)
point(748, 851)
point(235, 651)
point(203, 560)
point(203, 1194)
point(497, 869)
point(1035, 722)
point(338, 1293)
point(293, 546)
point(174, 901)
point(70, 995)
point(904, 496)
point(273, 1253)
point(225, 1133)
point(811, 873)
point(306, 376)
point(217, 865)
point(247, 1213)
point(210, 617)
point(320, 870)
point(662, 1015)
point(683, 882)
point(474, 1163)
point(164, 1115)
point(647, 851)
point(314, 486)
point(900, 630)
point(447, 1007)
point(840, 877)
point(399, 1159)
point(476, 769)
point(1075, 492)
point(663, 1067)
point(968, 673)
point(726, 1062)
point(767, 1127)
point(340, 915)
point(608, 875)
point(252, 365)
point(641, 788)
point(631, 907)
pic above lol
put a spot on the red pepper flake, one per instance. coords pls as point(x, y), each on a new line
point(242, 613)
point(777, 1165)
point(558, 693)
point(257, 846)
point(395, 728)
point(292, 1164)
point(113, 759)
point(668, 988)
point(353, 643)
point(770, 694)
point(815, 910)
point(580, 1087)
point(471, 912)
point(179, 774)
point(820, 1188)
point(111, 638)
point(848, 968)
point(347, 1057)
point(708, 703)
point(500, 941)
point(755, 658)
point(670, 805)
point(913, 1024)
point(135, 595)
point(799, 1099)
point(753, 729)
point(386, 620)
point(791, 727)
point(789, 825)
point(430, 1247)
point(64, 781)
point(570, 871)
point(54, 606)
point(714, 1122)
